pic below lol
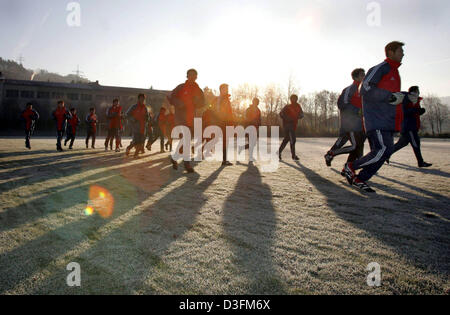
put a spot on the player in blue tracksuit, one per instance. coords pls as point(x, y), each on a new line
point(382, 110)
point(350, 107)
point(411, 125)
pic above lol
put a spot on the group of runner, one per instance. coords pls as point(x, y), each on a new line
point(372, 108)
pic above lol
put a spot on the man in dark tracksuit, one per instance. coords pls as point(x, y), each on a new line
point(290, 114)
point(114, 115)
point(382, 112)
point(186, 98)
point(137, 116)
point(411, 125)
point(350, 106)
point(29, 117)
point(60, 115)
point(72, 124)
point(91, 121)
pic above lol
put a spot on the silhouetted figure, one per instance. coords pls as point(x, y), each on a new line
point(29, 116)
point(290, 115)
point(72, 125)
point(137, 116)
point(114, 115)
point(60, 115)
point(91, 121)
point(186, 98)
point(223, 118)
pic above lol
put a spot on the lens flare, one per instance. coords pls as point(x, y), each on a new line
point(89, 211)
point(100, 201)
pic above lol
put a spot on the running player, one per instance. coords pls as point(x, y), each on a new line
point(29, 117)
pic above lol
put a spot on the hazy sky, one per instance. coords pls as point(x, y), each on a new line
point(143, 43)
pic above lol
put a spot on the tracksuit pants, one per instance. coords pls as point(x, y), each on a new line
point(27, 137)
point(70, 137)
point(113, 133)
point(382, 146)
point(59, 137)
point(413, 138)
point(90, 134)
point(289, 136)
point(356, 147)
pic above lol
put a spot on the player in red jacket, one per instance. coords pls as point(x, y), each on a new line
point(29, 117)
point(114, 115)
point(290, 114)
point(186, 98)
point(137, 116)
point(60, 115)
point(72, 123)
point(91, 121)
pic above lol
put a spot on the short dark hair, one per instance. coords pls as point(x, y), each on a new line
point(73, 109)
point(293, 96)
point(60, 102)
point(357, 72)
point(192, 70)
point(29, 104)
point(141, 95)
point(393, 46)
point(116, 100)
point(414, 88)
point(91, 109)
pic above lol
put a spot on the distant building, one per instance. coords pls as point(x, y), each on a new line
point(14, 94)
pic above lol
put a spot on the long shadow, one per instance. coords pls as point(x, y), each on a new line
point(410, 197)
point(20, 153)
point(249, 223)
point(23, 261)
point(434, 195)
point(420, 170)
point(423, 241)
point(52, 197)
point(132, 252)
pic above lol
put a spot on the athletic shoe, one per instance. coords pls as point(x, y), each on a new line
point(349, 172)
point(279, 156)
point(149, 147)
point(227, 163)
point(162, 151)
point(87, 146)
point(362, 185)
point(425, 164)
point(343, 172)
point(127, 152)
point(65, 142)
point(188, 167)
point(93, 147)
point(174, 163)
point(70, 148)
point(117, 149)
point(296, 158)
point(328, 158)
point(106, 149)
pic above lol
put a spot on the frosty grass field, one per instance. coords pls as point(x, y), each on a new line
point(234, 230)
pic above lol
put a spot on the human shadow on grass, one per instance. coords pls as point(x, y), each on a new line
point(48, 200)
point(422, 170)
point(21, 262)
point(249, 223)
point(435, 201)
point(132, 252)
point(390, 221)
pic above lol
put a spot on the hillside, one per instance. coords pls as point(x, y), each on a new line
point(12, 70)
